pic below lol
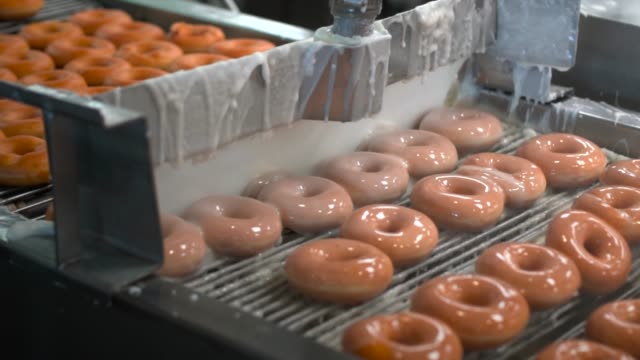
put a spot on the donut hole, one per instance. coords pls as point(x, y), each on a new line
point(531, 263)
point(597, 248)
point(475, 297)
point(391, 226)
point(564, 147)
point(410, 335)
point(506, 167)
point(371, 167)
point(236, 214)
point(623, 202)
point(346, 255)
point(460, 189)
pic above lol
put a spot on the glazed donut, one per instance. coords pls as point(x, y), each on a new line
point(40, 34)
point(236, 48)
point(308, 204)
point(404, 336)
point(617, 324)
point(7, 75)
point(625, 172)
point(470, 130)
point(339, 271)
point(12, 10)
point(522, 181)
point(600, 252)
point(122, 33)
point(460, 203)
point(50, 214)
point(619, 206)
point(194, 38)
point(568, 161)
point(31, 62)
point(13, 45)
point(95, 90)
point(544, 276)
point(483, 311)
point(95, 69)
point(369, 177)
point(255, 186)
point(66, 49)
point(425, 152)
point(581, 350)
point(236, 226)
point(57, 79)
point(192, 61)
point(23, 161)
point(149, 53)
point(184, 247)
point(133, 75)
point(90, 20)
point(20, 119)
point(405, 235)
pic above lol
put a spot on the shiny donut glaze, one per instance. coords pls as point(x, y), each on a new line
point(470, 130)
point(66, 49)
point(40, 34)
point(57, 79)
point(30, 62)
point(23, 161)
point(339, 270)
point(236, 48)
point(184, 247)
point(544, 276)
point(255, 186)
point(236, 226)
point(369, 177)
point(95, 69)
point(425, 152)
point(407, 236)
point(194, 38)
point(192, 61)
point(617, 324)
point(625, 172)
point(483, 311)
point(122, 33)
point(12, 10)
point(13, 45)
point(600, 252)
point(20, 119)
point(7, 75)
point(149, 53)
point(404, 336)
point(522, 181)
point(132, 75)
point(568, 161)
point(90, 20)
point(459, 202)
point(581, 350)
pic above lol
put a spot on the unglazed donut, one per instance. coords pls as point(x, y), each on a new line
point(149, 53)
point(40, 34)
point(66, 49)
point(457, 202)
point(236, 48)
point(405, 235)
point(184, 247)
point(96, 69)
point(30, 62)
point(12, 10)
point(95, 90)
point(483, 311)
point(132, 75)
point(13, 45)
point(57, 79)
point(308, 204)
point(522, 181)
point(194, 38)
point(23, 161)
point(7, 75)
point(339, 271)
point(369, 177)
point(470, 130)
point(625, 172)
point(600, 252)
point(236, 226)
point(404, 336)
point(20, 119)
point(568, 161)
point(581, 350)
point(617, 324)
point(544, 276)
point(122, 33)
point(192, 61)
point(90, 20)
point(426, 153)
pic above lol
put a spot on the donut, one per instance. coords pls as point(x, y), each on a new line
point(7, 75)
point(425, 152)
point(405, 235)
point(600, 252)
point(404, 336)
point(57, 79)
point(255, 186)
point(470, 130)
point(308, 204)
point(95, 69)
point(95, 90)
point(23, 161)
point(20, 119)
point(338, 271)
point(50, 213)
point(122, 33)
point(183, 245)
point(149, 53)
point(568, 161)
point(236, 48)
point(12, 10)
point(133, 75)
point(625, 172)
point(66, 49)
point(581, 350)
point(544, 276)
point(40, 34)
point(236, 226)
point(619, 206)
point(617, 324)
point(31, 62)
point(191, 61)
point(90, 20)
point(13, 45)
point(483, 311)
point(369, 177)
point(522, 181)
point(459, 203)
point(194, 38)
